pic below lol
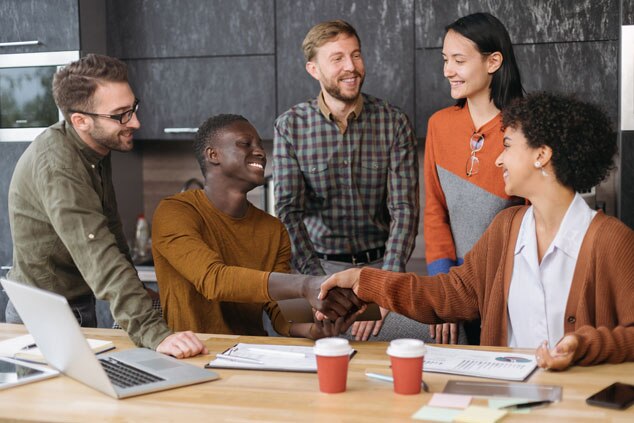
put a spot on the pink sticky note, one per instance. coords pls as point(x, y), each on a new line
point(450, 401)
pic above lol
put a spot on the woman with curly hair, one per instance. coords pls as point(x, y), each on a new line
point(553, 273)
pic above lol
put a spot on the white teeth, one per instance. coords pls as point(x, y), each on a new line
point(258, 165)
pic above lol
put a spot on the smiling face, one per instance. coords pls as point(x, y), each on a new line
point(238, 155)
point(338, 66)
point(108, 134)
point(517, 160)
point(469, 72)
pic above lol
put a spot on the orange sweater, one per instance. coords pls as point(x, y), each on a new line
point(459, 208)
point(599, 307)
point(213, 269)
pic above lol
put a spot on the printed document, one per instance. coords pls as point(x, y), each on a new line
point(286, 358)
point(488, 364)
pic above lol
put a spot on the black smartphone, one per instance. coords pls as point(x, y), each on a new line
point(618, 395)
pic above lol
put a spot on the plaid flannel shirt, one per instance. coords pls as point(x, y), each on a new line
point(342, 193)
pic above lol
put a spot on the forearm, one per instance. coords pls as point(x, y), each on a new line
point(400, 243)
point(403, 201)
point(439, 299)
point(301, 330)
point(603, 345)
point(284, 286)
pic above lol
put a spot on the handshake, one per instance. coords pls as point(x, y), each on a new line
point(334, 298)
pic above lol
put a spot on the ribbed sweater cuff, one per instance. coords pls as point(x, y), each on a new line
point(372, 284)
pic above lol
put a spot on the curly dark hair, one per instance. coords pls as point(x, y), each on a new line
point(580, 135)
point(207, 133)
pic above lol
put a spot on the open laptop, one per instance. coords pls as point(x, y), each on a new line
point(122, 374)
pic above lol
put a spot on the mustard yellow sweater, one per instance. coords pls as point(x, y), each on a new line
point(212, 269)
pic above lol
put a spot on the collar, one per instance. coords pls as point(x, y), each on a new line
point(325, 110)
point(494, 123)
point(91, 155)
point(571, 230)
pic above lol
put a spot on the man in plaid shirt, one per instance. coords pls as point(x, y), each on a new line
point(346, 170)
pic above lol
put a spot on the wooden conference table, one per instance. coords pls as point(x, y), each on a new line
point(244, 396)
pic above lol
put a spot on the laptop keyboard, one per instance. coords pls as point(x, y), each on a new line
point(125, 376)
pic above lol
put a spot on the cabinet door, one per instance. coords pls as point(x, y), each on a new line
point(10, 153)
point(182, 93)
point(185, 28)
point(53, 23)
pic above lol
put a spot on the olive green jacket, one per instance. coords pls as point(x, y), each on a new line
point(67, 233)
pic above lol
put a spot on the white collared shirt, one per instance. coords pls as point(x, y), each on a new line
point(539, 291)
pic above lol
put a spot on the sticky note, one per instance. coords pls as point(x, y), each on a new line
point(477, 414)
point(505, 402)
point(450, 401)
point(436, 414)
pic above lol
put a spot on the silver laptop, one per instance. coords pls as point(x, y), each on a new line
point(122, 374)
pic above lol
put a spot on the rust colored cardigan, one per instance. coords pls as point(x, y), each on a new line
point(600, 306)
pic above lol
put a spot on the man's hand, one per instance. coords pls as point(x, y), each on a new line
point(182, 345)
point(444, 333)
point(560, 357)
point(327, 328)
point(336, 303)
point(362, 330)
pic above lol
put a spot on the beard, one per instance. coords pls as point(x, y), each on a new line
point(335, 92)
point(111, 140)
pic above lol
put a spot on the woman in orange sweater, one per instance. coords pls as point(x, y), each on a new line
point(463, 188)
point(555, 273)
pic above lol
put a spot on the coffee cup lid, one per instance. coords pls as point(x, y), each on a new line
point(406, 348)
point(332, 347)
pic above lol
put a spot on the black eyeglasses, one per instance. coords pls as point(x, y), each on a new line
point(122, 118)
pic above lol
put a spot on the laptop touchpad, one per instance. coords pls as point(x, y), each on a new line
point(159, 364)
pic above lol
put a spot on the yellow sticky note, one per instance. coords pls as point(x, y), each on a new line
point(477, 414)
point(435, 414)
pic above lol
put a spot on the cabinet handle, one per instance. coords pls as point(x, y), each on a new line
point(180, 130)
point(20, 43)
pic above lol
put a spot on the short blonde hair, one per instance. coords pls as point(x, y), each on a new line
point(323, 32)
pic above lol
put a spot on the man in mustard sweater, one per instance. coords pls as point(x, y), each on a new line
point(219, 260)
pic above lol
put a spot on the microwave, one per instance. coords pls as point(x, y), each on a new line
point(26, 93)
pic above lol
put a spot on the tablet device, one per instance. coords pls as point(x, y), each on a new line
point(298, 310)
point(14, 372)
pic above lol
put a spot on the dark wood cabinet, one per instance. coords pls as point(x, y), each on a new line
point(191, 59)
point(182, 93)
point(186, 28)
point(54, 24)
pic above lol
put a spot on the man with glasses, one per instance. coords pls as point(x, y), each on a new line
point(67, 234)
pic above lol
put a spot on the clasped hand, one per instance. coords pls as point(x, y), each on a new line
point(337, 296)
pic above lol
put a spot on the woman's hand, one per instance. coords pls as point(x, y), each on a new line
point(346, 279)
point(560, 357)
